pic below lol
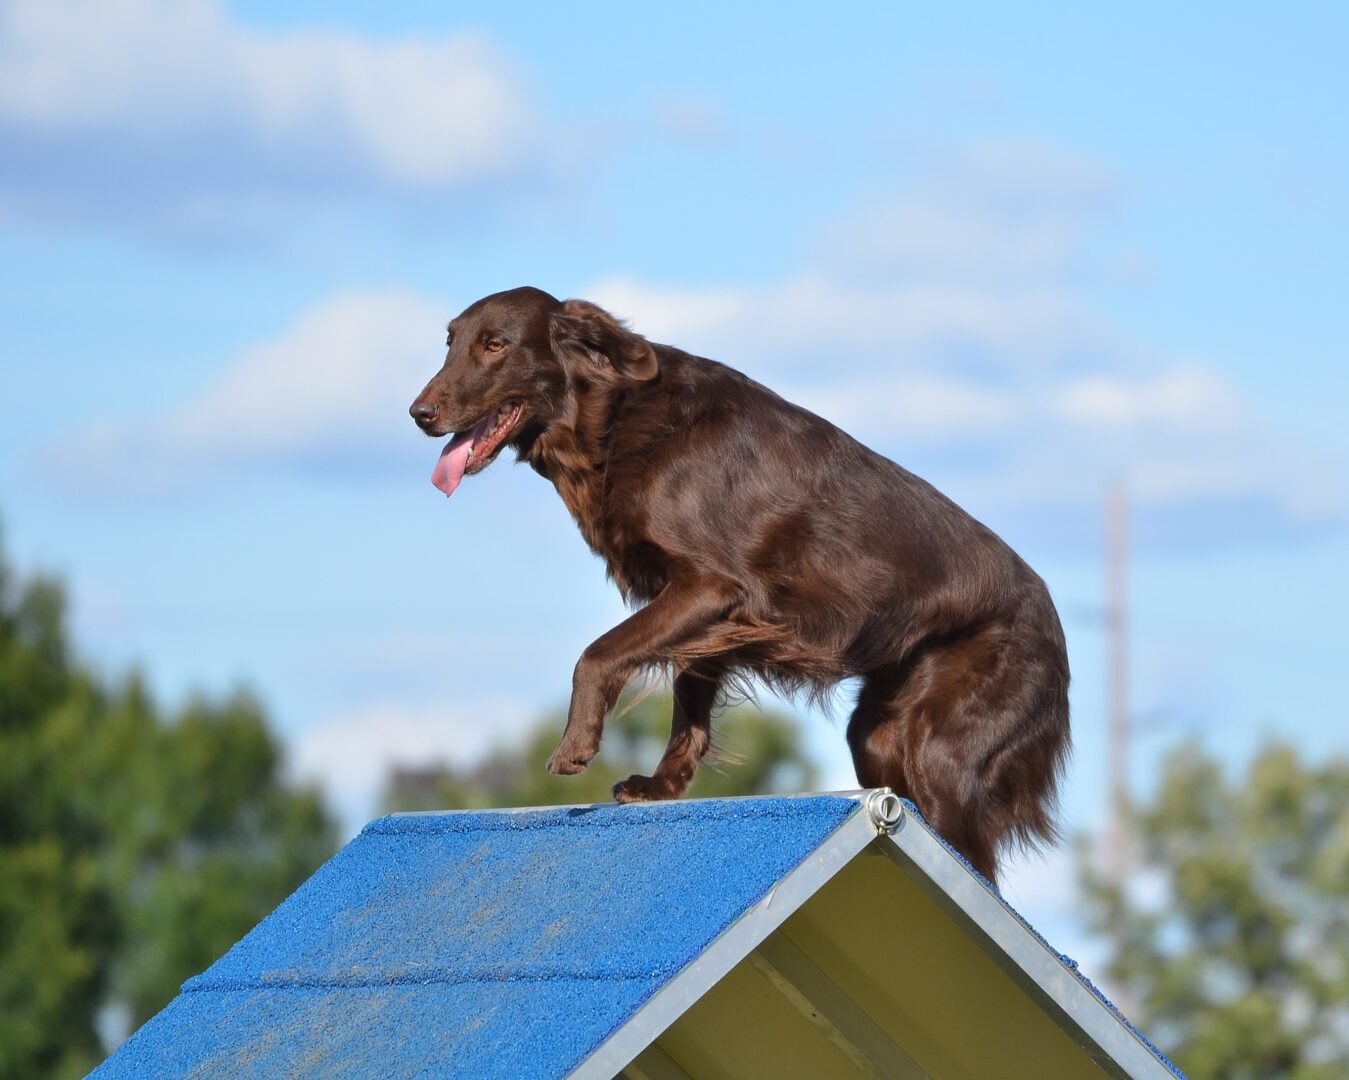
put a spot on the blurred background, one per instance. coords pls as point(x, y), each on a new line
point(1084, 270)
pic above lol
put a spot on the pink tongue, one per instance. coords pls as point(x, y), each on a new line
point(454, 458)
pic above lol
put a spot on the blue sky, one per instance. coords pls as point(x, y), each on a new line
point(1020, 250)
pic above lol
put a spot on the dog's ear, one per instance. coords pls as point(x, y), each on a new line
point(583, 327)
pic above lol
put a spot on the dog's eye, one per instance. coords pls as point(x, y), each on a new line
point(495, 346)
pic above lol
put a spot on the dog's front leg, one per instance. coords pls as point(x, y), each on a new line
point(695, 694)
point(676, 623)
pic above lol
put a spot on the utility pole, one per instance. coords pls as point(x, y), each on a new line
point(1119, 854)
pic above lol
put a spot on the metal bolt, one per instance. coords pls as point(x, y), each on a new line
point(885, 809)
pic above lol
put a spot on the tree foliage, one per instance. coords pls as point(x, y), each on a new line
point(1234, 952)
point(135, 846)
point(757, 753)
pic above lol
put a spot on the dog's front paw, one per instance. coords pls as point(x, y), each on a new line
point(568, 759)
point(644, 789)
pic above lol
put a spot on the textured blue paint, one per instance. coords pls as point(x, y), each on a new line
point(478, 944)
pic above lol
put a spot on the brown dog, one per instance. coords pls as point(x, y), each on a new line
point(766, 542)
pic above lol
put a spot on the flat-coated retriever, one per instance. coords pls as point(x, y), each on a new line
point(765, 542)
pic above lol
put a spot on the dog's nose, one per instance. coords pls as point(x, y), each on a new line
point(423, 412)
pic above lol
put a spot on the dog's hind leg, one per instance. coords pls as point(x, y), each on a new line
point(878, 750)
point(975, 732)
point(695, 694)
point(892, 735)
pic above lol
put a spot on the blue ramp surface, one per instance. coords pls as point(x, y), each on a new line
point(505, 944)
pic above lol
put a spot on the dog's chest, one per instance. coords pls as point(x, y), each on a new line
point(582, 493)
point(611, 530)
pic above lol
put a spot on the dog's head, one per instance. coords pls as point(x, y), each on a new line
point(519, 364)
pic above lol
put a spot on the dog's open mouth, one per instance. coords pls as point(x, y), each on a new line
point(472, 451)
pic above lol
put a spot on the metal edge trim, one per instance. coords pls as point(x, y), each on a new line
point(1029, 961)
point(734, 943)
point(855, 794)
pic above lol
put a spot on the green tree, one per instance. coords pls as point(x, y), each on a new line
point(756, 753)
point(1239, 963)
point(134, 847)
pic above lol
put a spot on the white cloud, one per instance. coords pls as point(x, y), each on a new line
point(1027, 172)
point(1186, 399)
point(950, 315)
point(351, 756)
point(923, 408)
point(998, 211)
point(832, 323)
point(920, 236)
point(977, 254)
point(335, 384)
point(1014, 392)
point(339, 371)
point(1056, 399)
point(172, 109)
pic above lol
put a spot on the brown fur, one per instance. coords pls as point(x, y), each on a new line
point(763, 542)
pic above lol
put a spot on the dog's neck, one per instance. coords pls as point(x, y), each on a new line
point(572, 452)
